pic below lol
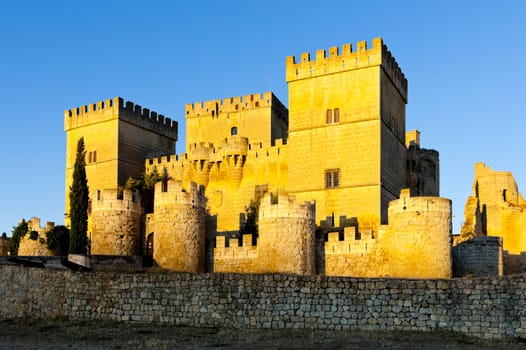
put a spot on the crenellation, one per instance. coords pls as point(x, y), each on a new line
point(348, 59)
point(350, 244)
point(116, 222)
point(116, 108)
point(230, 105)
point(342, 156)
point(35, 245)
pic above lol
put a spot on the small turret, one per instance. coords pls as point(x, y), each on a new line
point(179, 226)
point(116, 223)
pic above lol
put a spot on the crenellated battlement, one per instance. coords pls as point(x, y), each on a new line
point(351, 243)
point(420, 206)
point(34, 225)
point(112, 199)
point(232, 105)
point(234, 145)
point(116, 108)
point(235, 250)
point(172, 192)
point(284, 205)
point(335, 62)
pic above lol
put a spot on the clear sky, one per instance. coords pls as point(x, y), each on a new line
point(464, 60)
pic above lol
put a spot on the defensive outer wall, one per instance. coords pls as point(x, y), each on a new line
point(484, 307)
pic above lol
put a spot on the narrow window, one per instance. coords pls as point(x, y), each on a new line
point(332, 178)
point(336, 115)
point(233, 131)
point(164, 186)
point(504, 195)
point(329, 116)
point(94, 156)
point(89, 157)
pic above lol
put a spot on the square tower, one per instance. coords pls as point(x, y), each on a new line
point(117, 137)
point(261, 118)
point(347, 131)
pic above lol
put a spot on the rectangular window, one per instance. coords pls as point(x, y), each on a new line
point(94, 156)
point(329, 116)
point(336, 115)
point(332, 178)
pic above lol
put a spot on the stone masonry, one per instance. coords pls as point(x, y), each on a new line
point(488, 308)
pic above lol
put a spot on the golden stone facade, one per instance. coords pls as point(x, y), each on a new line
point(496, 208)
point(323, 175)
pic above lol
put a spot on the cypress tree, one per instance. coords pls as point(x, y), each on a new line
point(78, 203)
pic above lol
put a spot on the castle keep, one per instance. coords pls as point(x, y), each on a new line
point(313, 189)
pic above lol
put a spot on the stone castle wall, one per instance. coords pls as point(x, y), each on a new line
point(179, 227)
point(116, 223)
point(286, 242)
point(415, 244)
point(489, 308)
point(479, 256)
point(514, 263)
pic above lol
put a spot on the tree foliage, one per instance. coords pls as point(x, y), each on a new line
point(145, 186)
point(78, 202)
point(17, 234)
point(251, 217)
point(58, 240)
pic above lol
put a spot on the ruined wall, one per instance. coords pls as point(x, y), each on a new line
point(496, 208)
point(178, 224)
point(116, 223)
point(489, 308)
point(4, 245)
point(422, 167)
point(35, 244)
point(479, 256)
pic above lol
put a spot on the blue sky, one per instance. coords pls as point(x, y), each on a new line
point(464, 61)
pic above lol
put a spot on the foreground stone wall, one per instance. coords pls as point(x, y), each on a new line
point(484, 307)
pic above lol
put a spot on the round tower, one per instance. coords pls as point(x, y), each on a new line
point(418, 238)
point(116, 223)
point(179, 227)
point(199, 161)
point(234, 154)
point(286, 241)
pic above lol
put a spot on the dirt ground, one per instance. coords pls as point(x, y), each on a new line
point(31, 334)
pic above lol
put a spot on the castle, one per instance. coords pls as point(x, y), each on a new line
point(324, 179)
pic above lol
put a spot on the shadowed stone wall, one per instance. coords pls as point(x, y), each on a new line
point(484, 307)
